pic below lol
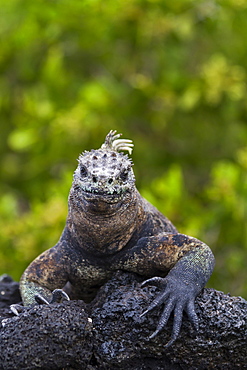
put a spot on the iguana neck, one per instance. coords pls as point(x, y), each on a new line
point(103, 233)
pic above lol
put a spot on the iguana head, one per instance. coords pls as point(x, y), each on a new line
point(105, 174)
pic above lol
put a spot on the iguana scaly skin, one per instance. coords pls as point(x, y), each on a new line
point(111, 227)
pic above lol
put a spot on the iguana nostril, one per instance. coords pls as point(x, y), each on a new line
point(110, 181)
point(95, 179)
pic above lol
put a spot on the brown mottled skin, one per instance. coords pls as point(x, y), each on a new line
point(111, 227)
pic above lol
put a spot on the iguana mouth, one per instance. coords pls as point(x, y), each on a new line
point(107, 195)
point(116, 192)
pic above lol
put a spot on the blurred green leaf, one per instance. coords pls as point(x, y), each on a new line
point(22, 139)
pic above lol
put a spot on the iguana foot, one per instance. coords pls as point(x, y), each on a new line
point(177, 297)
point(58, 296)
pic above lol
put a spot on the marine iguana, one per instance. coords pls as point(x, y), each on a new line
point(110, 227)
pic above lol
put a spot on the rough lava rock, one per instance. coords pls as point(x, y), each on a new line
point(9, 291)
point(109, 333)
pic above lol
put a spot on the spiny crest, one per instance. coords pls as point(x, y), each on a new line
point(109, 155)
point(112, 142)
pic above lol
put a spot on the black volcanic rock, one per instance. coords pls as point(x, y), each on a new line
point(109, 333)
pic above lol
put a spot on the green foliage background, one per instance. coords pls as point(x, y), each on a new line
point(171, 75)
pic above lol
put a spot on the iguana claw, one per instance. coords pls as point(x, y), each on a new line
point(16, 308)
point(58, 296)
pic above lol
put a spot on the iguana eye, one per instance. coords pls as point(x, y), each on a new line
point(83, 171)
point(124, 175)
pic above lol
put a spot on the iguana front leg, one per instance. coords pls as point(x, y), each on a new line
point(41, 280)
point(190, 262)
